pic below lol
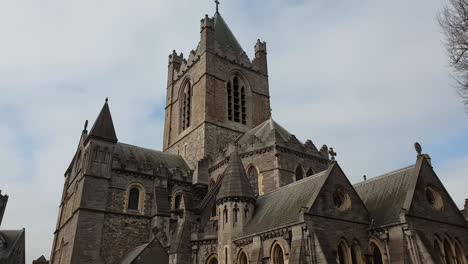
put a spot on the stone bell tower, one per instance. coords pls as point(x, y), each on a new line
point(215, 94)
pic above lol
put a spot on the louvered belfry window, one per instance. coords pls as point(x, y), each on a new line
point(186, 106)
point(236, 102)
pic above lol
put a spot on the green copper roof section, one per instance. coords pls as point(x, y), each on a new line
point(224, 36)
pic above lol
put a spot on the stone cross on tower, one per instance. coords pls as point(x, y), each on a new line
point(332, 154)
point(217, 6)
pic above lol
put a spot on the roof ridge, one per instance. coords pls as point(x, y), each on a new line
point(384, 175)
point(295, 183)
point(159, 151)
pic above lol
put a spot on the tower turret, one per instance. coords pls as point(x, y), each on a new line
point(235, 203)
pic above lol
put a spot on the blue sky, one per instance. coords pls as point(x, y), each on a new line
point(367, 77)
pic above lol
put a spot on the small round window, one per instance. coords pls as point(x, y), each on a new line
point(341, 200)
point(434, 198)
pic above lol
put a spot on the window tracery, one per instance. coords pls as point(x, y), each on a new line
point(236, 100)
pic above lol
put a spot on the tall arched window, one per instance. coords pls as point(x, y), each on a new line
point(356, 253)
point(376, 255)
point(225, 214)
point(177, 201)
point(236, 102)
point(459, 254)
point(242, 258)
point(438, 252)
point(186, 106)
point(310, 172)
point(236, 213)
point(449, 259)
point(252, 174)
point(277, 254)
point(299, 173)
point(133, 199)
point(343, 256)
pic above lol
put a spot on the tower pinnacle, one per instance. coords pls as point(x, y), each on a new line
point(217, 6)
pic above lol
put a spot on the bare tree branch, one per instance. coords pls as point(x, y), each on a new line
point(454, 22)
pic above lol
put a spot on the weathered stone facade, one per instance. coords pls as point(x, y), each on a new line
point(233, 186)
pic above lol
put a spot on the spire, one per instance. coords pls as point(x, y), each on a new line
point(103, 128)
point(235, 183)
point(224, 36)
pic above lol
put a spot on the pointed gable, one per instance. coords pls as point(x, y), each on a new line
point(224, 36)
point(235, 183)
point(103, 127)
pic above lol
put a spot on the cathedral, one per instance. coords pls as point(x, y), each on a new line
point(232, 186)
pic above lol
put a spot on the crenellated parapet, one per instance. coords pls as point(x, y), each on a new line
point(207, 22)
point(260, 62)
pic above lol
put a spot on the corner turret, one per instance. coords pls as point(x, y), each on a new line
point(235, 203)
point(260, 62)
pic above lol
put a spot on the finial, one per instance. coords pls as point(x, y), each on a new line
point(418, 148)
point(365, 177)
point(332, 154)
point(217, 6)
point(107, 99)
point(85, 125)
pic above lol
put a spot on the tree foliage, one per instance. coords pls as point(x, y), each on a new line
point(454, 22)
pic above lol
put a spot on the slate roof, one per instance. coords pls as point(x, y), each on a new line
point(133, 254)
point(283, 206)
point(386, 195)
point(103, 127)
point(224, 36)
point(11, 237)
point(235, 182)
point(153, 157)
point(264, 132)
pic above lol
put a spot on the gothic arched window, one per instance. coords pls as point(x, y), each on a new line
point(252, 174)
point(225, 214)
point(236, 102)
point(343, 256)
point(438, 252)
point(236, 213)
point(243, 258)
point(277, 254)
point(376, 255)
point(356, 253)
point(177, 201)
point(186, 108)
point(449, 259)
point(299, 173)
point(310, 172)
point(133, 199)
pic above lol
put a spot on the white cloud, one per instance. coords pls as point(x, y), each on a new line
point(366, 77)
